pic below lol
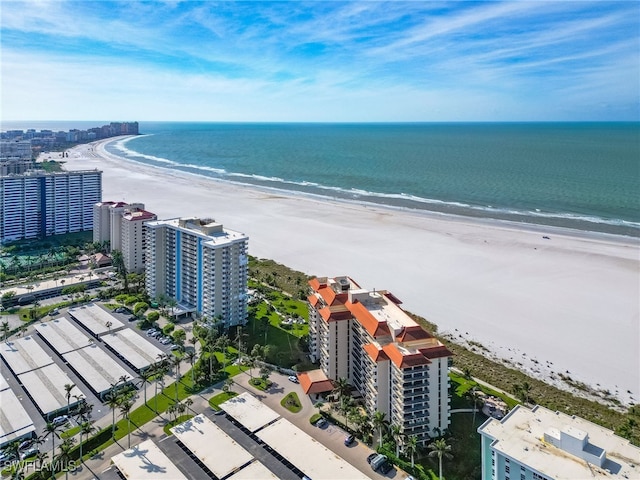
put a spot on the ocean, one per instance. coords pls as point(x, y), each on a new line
point(584, 176)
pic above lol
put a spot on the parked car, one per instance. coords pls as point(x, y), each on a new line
point(386, 467)
point(25, 444)
point(293, 378)
point(133, 318)
point(322, 423)
point(7, 456)
point(32, 452)
point(119, 310)
point(54, 312)
point(371, 457)
point(378, 461)
point(61, 420)
point(165, 341)
point(349, 439)
point(151, 331)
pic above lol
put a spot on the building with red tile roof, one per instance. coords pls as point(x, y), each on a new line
point(399, 368)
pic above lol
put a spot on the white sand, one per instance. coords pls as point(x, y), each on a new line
point(572, 300)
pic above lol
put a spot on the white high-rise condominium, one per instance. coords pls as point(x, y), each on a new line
point(399, 368)
point(201, 265)
point(38, 204)
point(121, 224)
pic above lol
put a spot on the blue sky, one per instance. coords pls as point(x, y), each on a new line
point(320, 61)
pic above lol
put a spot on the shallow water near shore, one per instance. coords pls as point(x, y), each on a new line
point(583, 176)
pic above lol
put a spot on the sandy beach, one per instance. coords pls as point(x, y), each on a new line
point(569, 303)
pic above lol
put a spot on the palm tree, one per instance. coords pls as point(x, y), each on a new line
point(341, 389)
point(396, 432)
point(222, 344)
point(439, 448)
point(65, 455)
point(473, 396)
point(68, 387)
point(86, 428)
point(51, 429)
point(125, 409)
point(412, 447)
point(5, 330)
point(187, 403)
point(113, 402)
point(145, 376)
point(176, 363)
point(522, 391)
point(191, 356)
point(160, 370)
point(380, 422)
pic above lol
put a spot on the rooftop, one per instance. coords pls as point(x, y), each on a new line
point(18, 423)
point(46, 387)
point(63, 335)
point(95, 319)
point(212, 232)
point(212, 446)
point(562, 447)
point(96, 367)
point(306, 453)
point(146, 461)
point(249, 411)
point(138, 351)
point(24, 354)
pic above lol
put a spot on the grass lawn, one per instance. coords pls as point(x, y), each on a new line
point(181, 419)
point(71, 432)
point(462, 385)
point(216, 400)
point(286, 351)
point(291, 402)
point(259, 383)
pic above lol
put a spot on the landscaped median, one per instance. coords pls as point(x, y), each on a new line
point(291, 402)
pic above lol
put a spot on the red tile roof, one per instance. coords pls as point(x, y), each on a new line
point(409, 334)
point(333, 316)
point(313, 300)
point(376, 354)
point(436, 352)
point(368, 321)
point(404, 360)
point(315, 382)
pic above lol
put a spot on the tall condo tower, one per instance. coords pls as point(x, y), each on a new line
point(201, 265)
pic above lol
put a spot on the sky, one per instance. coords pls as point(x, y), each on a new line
point(321, 61)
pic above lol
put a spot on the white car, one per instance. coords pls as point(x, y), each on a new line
point(293, 378)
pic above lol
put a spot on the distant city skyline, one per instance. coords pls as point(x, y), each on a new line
point(320, 61)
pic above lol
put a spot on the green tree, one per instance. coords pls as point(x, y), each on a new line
point(86, 429)
point(439, 448)
point(412, 447)
point(380, 422)
point(5, 330)
point(125, 410)
point(51, 430)
point(64, 458)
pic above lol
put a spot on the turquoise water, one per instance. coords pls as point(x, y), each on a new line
point(578, 175)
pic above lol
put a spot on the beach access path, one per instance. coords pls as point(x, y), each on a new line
point(566, 303)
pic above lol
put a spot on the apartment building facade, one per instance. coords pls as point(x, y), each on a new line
point(399, 368)
point(201, 265)
point(122, 225)
point(540, 444)
point(37, 204)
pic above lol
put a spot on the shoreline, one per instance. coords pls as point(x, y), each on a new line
point(571, 221)
point(541, 228)
point(564, 304)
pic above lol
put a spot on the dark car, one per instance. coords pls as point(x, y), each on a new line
point(322, 423)
point(348, 440)
point(385, 468)
point(371, 457)
point(133, 318)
